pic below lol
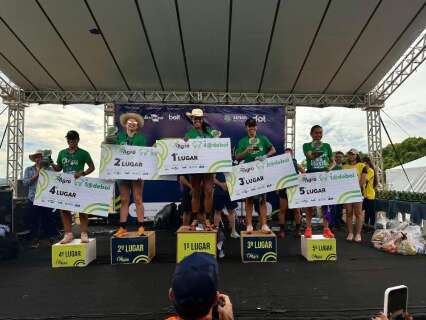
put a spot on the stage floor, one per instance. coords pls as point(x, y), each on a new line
point(350, 288)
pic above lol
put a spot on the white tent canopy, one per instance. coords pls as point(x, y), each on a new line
point(416, 171)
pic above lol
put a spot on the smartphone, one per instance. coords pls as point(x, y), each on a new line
point(396, 300)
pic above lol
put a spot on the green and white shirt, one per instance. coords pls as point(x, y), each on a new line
point(73, 162)
point(137, 140)
point(260, 141)
point(322, 162)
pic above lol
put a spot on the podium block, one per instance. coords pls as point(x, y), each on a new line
point(318, 248)
point(189, 241)
point(73, 254)
point(258, 247)
point(133, 248)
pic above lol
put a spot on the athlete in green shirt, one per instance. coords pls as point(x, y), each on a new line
point(319, 157)
point(200, 182)
point(250, 148)
point(131, 123)
point(72, 160)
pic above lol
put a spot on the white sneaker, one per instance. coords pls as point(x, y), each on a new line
point(249, 228)
point(265, 229)
point(221, 254)
point(84, 237)
point(235, 235)
point(68, 237)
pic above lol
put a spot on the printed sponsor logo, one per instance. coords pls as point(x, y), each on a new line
point(174, 117)
point(260, 118)
point(153, 117)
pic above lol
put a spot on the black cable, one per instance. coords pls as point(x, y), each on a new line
point(396, 153)
point(396, 123)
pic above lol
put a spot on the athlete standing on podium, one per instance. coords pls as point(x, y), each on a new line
point(319, 158)
point(132, 123)
point(201, 182)
point(250, 148)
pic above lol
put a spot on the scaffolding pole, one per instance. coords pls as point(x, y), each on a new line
point(108, 117)
point(290, 128)
point(374, 134)
point(15, 143)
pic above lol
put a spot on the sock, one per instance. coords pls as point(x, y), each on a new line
point(297, 226)
point(123, 225)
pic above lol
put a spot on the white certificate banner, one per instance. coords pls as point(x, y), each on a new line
point(325, 188)
point(128, 162)
point(62, 191)
point(175, 156)
point(258, 177)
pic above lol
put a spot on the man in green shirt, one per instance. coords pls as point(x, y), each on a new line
point(250, 148)
point(319, 158)
point(72, 160)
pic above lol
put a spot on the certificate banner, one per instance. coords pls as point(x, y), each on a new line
point(175, 156)
point(62, 191)
point(258, 177)
point(325, 188)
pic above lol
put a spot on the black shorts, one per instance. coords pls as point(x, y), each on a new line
point(222, 200)
point(282, 194)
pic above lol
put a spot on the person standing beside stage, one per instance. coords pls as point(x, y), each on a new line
point(282, 194)
point(72, 160)
point(319, 158)
point(131, 124)
point(250, 148)
point(336, 209)
point(39, 216)
point(354, 162)
point(201, 182)
point(369, 193)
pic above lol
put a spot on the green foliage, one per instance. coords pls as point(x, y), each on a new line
point(401, 195)
point(408, 150)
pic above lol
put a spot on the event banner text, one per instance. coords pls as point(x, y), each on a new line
point(258, 177)
point(325, 188)
point(62, 191)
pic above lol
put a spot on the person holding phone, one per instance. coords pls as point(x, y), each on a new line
point(131, 123)
point(194, 291)
point(319, 158)
point(73, 160)
point(250, 148)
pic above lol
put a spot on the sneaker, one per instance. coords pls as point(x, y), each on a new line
point(281, 234)
point(265, 229)
point(358, 238)
point(221, 254)
point(141, 231)
point(249, 228)
point(121, 232)
point(327, 233)
point(308, 233)
point(68, 237)
point(35, 244)
point(297, 233)
point(235, 235)
point(84, 237)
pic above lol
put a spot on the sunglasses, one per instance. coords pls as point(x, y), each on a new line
point(132, 122)
point(197, 118)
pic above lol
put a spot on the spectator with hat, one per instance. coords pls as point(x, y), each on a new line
point(73, 160)
point(194, 292)
point(132, 123)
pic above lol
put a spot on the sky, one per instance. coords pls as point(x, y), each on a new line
point(46, 125)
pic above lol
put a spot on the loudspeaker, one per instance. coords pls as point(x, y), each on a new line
point(6, 206)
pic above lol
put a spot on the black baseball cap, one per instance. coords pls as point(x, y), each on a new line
point(250, 122)
point(72, 135)
point(194, 285)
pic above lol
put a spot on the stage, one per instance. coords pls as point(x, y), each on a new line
point(350, 288)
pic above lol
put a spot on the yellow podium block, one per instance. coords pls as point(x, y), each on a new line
point(258, 247)
point(73, 254)
point(133, 248)
point(319, 248)
point(189, 241)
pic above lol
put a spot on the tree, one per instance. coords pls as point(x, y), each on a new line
point(408, 150)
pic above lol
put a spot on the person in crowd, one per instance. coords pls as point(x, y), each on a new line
point(40, 217)
point(186, 189)
point(319, 158)
point(194, 291)
point(201, 183)
point(73, 160)
point(221, 200)
point(354, 162)
point(369, 193)
point(337, 209)
point(282, 194)
point(253, 147)
point(131, 124)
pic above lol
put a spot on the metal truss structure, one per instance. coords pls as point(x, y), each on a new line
point(409, 63)
point(99, 97)
point(15, 142)
point(8, 91)
point(374, 134)
point(290, 128)
point(108, 117)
